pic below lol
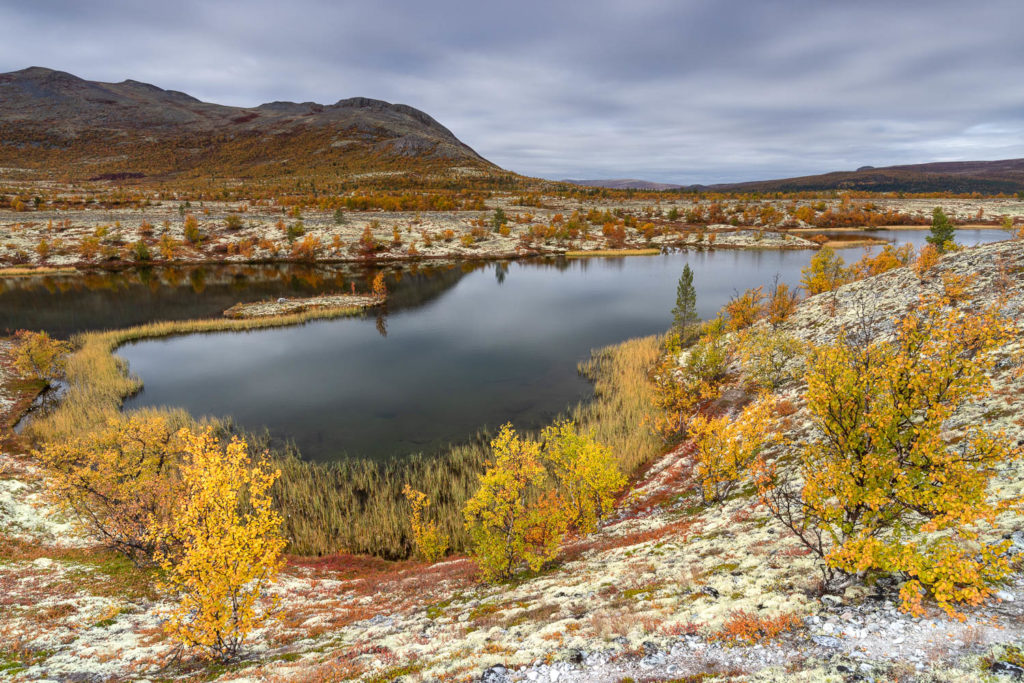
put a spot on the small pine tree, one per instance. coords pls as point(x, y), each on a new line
point(943, 231)
point(499, 219)
point(684, 315)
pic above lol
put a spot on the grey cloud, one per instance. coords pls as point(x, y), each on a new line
point(678, 91)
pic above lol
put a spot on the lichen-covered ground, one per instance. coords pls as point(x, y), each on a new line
point(260, 231)
point(646, 597)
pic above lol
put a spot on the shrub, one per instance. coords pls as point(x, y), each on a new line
point(38, 356)
point(168, 247)
point(117, 481)
point(926, 260)
point(766, 357)
point(745, 628)
point(430, 542)
point(586, 472)
point(307, 249)
point(782, 301)
point(886, 259)
point(230, 545)
point(826, 272)
point(141, 252)
point(506, 524)
point(885, 487)
point(233, 222)
point(192, 234)
point(498, 219)
point(726, 447)
point(743, 310)
point(681, 389)
point(89, 247)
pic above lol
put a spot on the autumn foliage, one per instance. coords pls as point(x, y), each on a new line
point(726, 447)
point(506, 524)
point(39, 356)
point(430, 541)
point(117, 481)
point(532, 493)
point(884, 486)
point(230, 545)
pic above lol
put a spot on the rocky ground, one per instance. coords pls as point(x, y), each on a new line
point(655, 594)
point(286, 306)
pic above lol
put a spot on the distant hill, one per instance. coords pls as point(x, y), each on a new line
point(987, 177)
point(623, 184)
point(953, 176)
point(52, 119)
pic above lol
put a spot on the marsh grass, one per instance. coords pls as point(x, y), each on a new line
point(33, 272)
point(356, 505)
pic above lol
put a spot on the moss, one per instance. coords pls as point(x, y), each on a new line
point(723, 568)
point(394, 673)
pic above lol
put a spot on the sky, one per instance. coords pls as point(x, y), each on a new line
point(685, 91)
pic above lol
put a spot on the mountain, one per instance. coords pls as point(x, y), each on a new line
point(52, 119)
point(945, 176)
point(624, 184)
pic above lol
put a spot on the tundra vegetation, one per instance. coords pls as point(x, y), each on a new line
point(881, 486)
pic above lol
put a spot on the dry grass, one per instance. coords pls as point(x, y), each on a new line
point(612, 252)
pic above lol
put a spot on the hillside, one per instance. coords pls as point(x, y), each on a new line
point(990, 177)
point(131, 130)
point(624, 184)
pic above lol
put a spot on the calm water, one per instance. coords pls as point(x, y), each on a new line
point(458, 349)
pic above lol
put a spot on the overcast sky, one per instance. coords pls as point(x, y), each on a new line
point(677, 91)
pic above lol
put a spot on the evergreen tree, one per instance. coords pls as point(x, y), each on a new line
point(684, 315)
point(942, 231)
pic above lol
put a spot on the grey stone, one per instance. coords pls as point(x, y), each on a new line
point(827, 641)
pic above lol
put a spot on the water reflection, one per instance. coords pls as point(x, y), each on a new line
point(458, 348)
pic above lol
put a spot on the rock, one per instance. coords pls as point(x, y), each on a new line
point(1005, 596)
point(577, 656)
point(43, 562)
point(496, 674)
point(708, 590)
point(282, 300)
point(855, 593)
point(830, 642)
point(1007, 669)
point(832, 600)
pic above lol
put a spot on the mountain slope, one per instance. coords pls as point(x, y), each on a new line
point(52, 118)
point(1006, 175)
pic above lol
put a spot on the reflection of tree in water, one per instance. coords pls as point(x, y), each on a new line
point(108, 300)
point(500, 272)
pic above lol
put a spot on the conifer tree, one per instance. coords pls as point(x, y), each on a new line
point(943, 231)
point(684, 315)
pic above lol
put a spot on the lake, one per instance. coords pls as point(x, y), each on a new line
point(458, 349)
